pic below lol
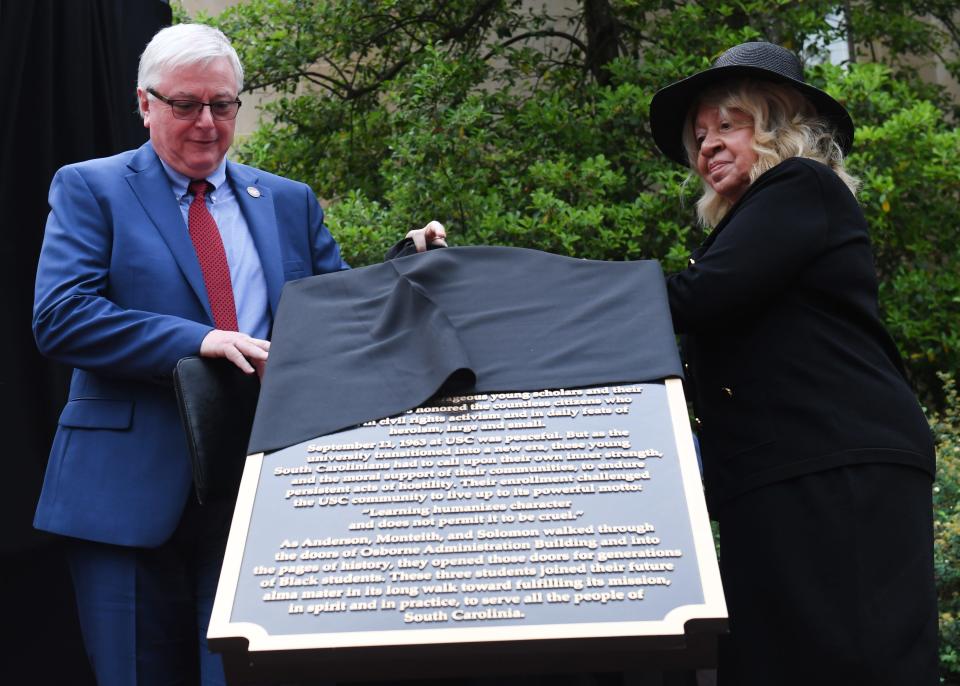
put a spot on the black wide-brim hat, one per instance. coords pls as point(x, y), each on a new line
point(758, 60)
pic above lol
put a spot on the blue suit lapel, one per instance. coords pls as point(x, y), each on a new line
point(152, 187)
point(256, 203)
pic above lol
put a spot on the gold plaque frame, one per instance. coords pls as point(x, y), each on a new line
point(685, 637)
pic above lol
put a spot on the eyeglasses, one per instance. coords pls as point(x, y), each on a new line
point(223, 110)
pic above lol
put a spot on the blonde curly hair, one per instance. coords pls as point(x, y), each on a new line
point(785, 125)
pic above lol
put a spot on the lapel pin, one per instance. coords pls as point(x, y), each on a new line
point(253, 192)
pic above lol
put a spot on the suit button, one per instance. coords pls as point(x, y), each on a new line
point(692, 261)
point(728, 391)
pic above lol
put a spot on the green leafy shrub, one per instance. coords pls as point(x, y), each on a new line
point(520, 125)
point(946, 508)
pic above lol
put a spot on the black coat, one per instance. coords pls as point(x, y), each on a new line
point(792, 370)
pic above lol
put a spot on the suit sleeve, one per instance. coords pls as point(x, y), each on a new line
point(74, 320)
point(779, 228)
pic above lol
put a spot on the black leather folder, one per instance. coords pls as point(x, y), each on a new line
point(217, 403)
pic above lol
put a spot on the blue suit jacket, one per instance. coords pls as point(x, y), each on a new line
point(120, 297)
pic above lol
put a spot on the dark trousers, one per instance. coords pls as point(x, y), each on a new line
point(829, 580)
point(144, 611)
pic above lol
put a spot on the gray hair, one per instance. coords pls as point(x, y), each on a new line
point(184, 45)
point(785, 125)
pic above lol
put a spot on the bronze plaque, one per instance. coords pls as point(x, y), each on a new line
point(553, 528)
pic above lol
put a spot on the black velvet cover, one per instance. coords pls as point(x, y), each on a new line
point(368, 343)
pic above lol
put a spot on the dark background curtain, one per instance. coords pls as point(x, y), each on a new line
point(67, 93)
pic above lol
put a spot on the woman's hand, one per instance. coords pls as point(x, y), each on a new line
point(432, 234)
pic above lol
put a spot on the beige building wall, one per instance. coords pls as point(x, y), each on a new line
point(934, 71)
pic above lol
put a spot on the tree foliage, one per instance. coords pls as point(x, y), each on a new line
point(523, 124)
point(946, 510)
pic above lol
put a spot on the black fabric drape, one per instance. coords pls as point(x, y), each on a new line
point(67, 94)
point(364, 344)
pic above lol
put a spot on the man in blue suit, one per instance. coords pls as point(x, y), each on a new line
point(124, 290)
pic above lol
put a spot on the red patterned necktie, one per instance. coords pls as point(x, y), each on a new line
point(213, 259)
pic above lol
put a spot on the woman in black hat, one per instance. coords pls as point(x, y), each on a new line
point(817, 458)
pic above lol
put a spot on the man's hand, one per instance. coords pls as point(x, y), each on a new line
point(249, 354)
point(431, 234)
